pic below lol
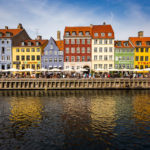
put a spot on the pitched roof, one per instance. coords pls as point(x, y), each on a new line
point(143, 40)
point(12, 31)
point(84, 29)
point(106, 29)
point(60, 45)
point(33, 43)
point(122, 44)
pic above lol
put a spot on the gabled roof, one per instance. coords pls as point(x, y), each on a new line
point(84, 29)
point(12, 31)
point(102, 29)
point(60, 45)
point(121, 44)
point(142, 39)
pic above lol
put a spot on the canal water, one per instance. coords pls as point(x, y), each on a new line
point(75, 120)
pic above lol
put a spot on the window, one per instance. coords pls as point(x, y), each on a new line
point(8, 34)
point(116, 58)
point(95, 34)
point(17, 50)
point(88, 41)
point(78, 41)
point(105, 57)
point(29, 43)
point(105, 66)
point(1, 34)
point(128, 66)
point(55, 59)
point(72, 41)
point(83, 41)
point(131, 66)
point(110, 41)
point(50, 52)
point(95, 41)
point(8, 57)
point(22, 50)
point(22, 57)
point(38, 49)
point(60, 52)
point(110, 66)
point(88, 58)
point(3, 57)
point(141, 66)
point(146, 58)
point(38, 57)
point(137, 49)
point(95, 57)
point(116, 66)
point(74, 33)
point(148, 43)
point(83, 58)
point(37, 43)
point(67, 58)
point(60, 59)
point(95, 49)
point(127, 57)
point(33, 66)
point(27, 65)
point(72, 58)
point(67, 50)
point(67, 33)
point(33, 57)
point(8, 49)
point(55, 52)
point(78, 58)
point(105, 41)
point(27, 50)
point(87, 33)
point(137, 58)
point(141, 58)
point(102, 34)
point(88, 50)
point(146, 66)
point(33, 50)
point(105, 49)
point(100, 49)
point(72, 50)
point(109, 34)
point(146, 50)
point(100, 66)
point(138, 43)
point(132, 57)
point(100, 41)
point(142, 50)
point(95, 66)
point(100, 57)
point(8, 66)
point(17, 57)
point(110, 49)
point(46, 52)
point(83, 49)
point(67, 41)
point(51, 46)
point(110, 57)
point(50, 59)
point(80, 33)
point(78, 49)
point(27, 57)
point(120, 57)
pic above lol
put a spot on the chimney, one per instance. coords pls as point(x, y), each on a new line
point(39, 37)
point(91, 25)
point(19, 26)
point(6, 27)
point(140, 34)
point(104, 23)
point(58, 35)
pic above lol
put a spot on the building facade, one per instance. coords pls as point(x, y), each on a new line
point(28, 54)
point(77, 48)
point(123, 55)
point(102, 47)
point(142, 51)
point(53, 55)
point(9, 38)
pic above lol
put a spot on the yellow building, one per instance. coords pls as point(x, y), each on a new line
point(142, 51)
point(28, 54)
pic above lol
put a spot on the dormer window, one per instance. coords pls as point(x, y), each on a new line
point(22, 43)
point(95, 34)
point(126, 44)
point(1, 34)
point(109, 34)
point(74, 33)
point(37, 43)
point(80, 33)
point(8, 34)
point(119, 44)
point(87, 33)
point(67, 33)
point(102, 34)
point(147, 42)
point(29, 43)
point(138, 43)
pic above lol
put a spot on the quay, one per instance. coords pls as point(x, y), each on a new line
point(73, 84)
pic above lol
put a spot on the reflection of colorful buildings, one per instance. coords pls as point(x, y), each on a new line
point(28, 54)
point(141, 51)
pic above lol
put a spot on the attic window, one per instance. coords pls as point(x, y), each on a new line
point(29, 43)
point(80, 33)
point(109, 34)
point(147, 42)
point(119, 44)
point(95, 34)
point(22, 43)
point(51, 46)
point(102, 34)
point(73, 33)
point(138, 43)
point(37, 43)
point(67, 33)
point(1, 34)
point(8, 34)
point(87, 33)
point(126, 44)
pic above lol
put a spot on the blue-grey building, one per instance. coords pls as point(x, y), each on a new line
point(53, 56)
point(8, 39)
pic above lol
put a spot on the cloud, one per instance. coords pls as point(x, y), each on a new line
point(47, 17)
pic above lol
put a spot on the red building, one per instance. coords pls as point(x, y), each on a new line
point(77, 47)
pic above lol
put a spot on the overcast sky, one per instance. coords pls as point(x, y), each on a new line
point(45, 17)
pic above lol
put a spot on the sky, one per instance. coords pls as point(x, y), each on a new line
point(45, 17)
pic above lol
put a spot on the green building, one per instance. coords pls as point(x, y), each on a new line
point(123, 55)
